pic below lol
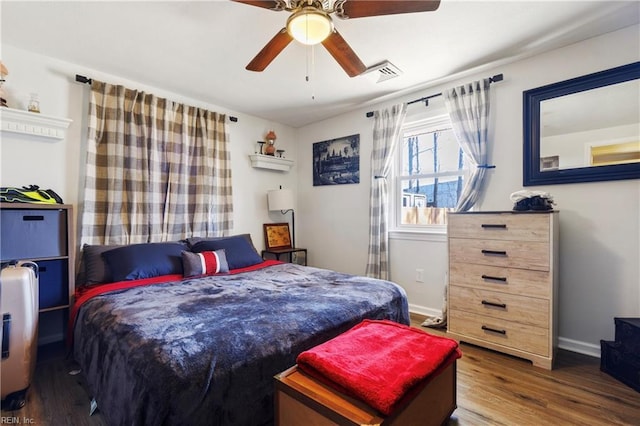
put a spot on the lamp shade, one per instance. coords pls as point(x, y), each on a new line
point(280, 199)
point(309, 26)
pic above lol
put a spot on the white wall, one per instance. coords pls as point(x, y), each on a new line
point(59, 165)
point(599, 222)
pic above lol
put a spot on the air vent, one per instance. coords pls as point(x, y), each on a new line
point(382, 72)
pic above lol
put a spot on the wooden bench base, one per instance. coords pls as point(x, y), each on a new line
point(301, 399)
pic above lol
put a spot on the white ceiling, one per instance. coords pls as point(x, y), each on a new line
point(200, 48)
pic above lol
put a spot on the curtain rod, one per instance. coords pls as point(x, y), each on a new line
point(425, 99)
point(87, 80)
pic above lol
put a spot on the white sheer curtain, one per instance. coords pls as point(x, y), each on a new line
point(386, 134)
point(468, 107)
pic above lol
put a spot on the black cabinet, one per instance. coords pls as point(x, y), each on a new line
point(43, 233)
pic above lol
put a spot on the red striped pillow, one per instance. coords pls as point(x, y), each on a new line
point(204, 263)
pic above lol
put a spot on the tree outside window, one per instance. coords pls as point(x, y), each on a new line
point(431, 172)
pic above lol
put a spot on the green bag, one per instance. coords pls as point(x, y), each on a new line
point(29, 194)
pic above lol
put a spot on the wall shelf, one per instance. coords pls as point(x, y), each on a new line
point(33, 124)
point(261, 161)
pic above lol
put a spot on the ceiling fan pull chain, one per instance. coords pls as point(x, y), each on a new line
point(306, 63)
point(311, 69)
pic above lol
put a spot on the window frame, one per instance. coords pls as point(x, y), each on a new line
point(398, 230)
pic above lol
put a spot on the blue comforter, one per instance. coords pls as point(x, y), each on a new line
point(204, 351)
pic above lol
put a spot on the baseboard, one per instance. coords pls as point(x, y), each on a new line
point(423, 310)
point(563, 343)
point(579, 347)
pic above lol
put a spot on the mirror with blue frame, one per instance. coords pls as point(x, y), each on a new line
point(584, 129)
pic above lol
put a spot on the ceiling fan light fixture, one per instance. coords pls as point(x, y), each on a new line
point(309, 26)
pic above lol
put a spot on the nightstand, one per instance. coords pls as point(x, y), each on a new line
point(277, 252)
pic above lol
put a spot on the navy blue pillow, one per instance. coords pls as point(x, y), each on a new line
point(94, 269)
point(137, 261)
point(240, 252)
point(192, 241)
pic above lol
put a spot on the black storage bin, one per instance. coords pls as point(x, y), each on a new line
point(622, 365)
point(628, 333)
point(53, 288)
point(29, 234)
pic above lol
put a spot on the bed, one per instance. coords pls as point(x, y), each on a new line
point(202, 348)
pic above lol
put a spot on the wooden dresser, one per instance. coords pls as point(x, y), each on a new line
point(503, 285)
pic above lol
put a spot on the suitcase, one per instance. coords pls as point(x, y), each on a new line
point(19, 309)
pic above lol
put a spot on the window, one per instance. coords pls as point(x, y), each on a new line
point(430, 174)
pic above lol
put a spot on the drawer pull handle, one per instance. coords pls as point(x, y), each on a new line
point(489, 277)
point(32, 218)
point(494, 252)
point(497, 305)
point(494, 225)
point(485, 328)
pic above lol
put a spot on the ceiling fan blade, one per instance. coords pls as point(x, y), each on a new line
point(270, 51)
point(276, 5)
point(343, 54)
point(362, 8)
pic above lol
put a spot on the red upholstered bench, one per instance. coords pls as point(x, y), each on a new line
point(379, 372)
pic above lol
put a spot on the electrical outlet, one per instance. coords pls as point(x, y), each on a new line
point(420, 275)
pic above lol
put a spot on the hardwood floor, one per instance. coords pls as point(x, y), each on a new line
point(498, 389)
point(492, 389)
point(56, 397)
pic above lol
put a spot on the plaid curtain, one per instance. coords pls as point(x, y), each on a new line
point(386, 134)
point(156, 170)
point(468, 107)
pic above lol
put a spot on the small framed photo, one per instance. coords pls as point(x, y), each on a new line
point(277, 236)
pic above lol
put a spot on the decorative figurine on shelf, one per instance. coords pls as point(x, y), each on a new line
point(34, 103)
point(3, 96)
point(270, 149)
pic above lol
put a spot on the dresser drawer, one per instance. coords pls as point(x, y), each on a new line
point(524, 282)
point(505, 254)
point(513, 335)
point(500, 226)
point(503, 306)
point(31, 233)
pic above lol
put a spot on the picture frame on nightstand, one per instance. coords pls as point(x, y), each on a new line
point(277, 236)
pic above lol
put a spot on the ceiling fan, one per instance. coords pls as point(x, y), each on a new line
point(310, 23)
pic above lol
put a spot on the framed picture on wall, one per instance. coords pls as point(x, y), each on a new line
point(337, 161)
point(277, 236)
